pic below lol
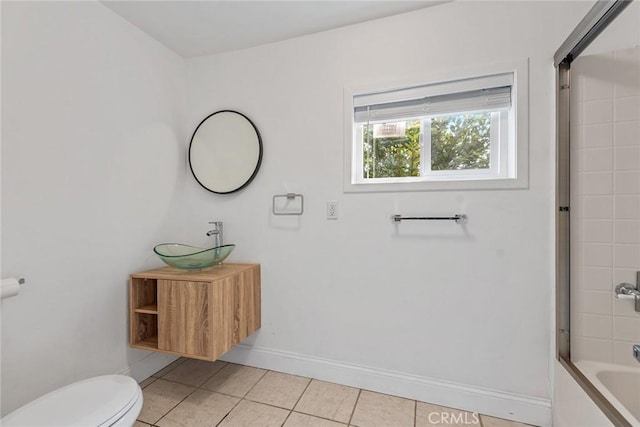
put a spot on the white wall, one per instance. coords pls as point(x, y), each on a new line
point(92, 147)
point(422, 304)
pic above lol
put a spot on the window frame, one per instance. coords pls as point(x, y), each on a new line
point(513, 157)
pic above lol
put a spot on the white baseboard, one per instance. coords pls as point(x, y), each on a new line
point(529, 410)
point(144, 368)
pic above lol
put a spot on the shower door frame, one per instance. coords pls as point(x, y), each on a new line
point(596, 20)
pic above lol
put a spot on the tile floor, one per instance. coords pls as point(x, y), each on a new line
point(196, 393)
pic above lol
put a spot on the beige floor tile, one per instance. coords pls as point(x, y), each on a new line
point(147, 382)
point(194, 372)
point(328, 400)
point(200, 409)
point(303, 420)
point(235, 380)
point(428, 415)
point(160, 397)
point(278, 389)
point(381, 410)
point(499, 422)
point(252, 414)
point(170, 367)
point(140, 424)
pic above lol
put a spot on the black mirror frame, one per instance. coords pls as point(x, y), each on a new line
point(258, 164)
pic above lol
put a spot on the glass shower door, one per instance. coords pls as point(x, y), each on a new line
point(605, 223)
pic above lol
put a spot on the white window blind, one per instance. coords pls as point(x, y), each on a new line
point(475, 95)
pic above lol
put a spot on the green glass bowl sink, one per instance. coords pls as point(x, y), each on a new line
point(191, 257)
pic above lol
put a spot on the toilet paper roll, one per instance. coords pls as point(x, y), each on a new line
point(9, 288)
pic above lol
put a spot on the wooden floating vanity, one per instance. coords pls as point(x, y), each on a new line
point(194, 314)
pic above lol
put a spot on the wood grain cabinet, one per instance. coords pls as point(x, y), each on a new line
point(194, 314)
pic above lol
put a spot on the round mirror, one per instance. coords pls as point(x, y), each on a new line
point(225, 152)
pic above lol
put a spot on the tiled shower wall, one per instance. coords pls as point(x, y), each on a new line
point(605, 204)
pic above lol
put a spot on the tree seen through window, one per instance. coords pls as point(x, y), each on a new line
point(457, 142)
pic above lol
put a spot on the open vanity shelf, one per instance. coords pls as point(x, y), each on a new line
point(194, 314)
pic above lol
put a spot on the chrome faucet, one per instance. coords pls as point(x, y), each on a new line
point(216, 233)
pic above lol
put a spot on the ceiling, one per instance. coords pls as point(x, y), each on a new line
point(195, 28)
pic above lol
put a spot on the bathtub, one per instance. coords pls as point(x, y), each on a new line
point(620, 385)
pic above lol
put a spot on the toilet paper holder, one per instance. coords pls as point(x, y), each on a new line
point(20, 280)
point(10, 287)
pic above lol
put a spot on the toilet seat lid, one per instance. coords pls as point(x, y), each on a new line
point(98, 401)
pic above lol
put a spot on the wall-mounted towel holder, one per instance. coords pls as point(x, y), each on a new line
point(458, 218)
point(290, 197)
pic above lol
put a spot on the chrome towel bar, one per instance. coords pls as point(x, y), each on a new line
point(458, 218)
point(289, 198)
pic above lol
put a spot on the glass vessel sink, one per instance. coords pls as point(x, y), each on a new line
point(191, 257)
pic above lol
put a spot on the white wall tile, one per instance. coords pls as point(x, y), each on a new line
point(597, 231)
point(627, 109)
point(577, 83)
point(598, 159)
point(597, 350)
point(598, 326)
point(626, 256)
point(577, 137)
point(625, 308)
point(626, 133)
point(626, 183)
point(605, 325)
point(626, 207)
point(626, 329)
point(577, 346)
point(597, 207)
point(627, 275)
point(597, 255)
point(598, 87)
point(596, 77)
point(575, 178)
point(626, 75)
point(627, 158)
point(577, 109)
point(576, 213)
point(623, 354)
point(594, 302)
point(576, 257)
point(575, 295)
point(597, 112)
point(626, 231)
point(599, 135)
point(597, 279)
point(598, 183)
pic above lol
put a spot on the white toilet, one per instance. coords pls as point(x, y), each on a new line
point(109, 400)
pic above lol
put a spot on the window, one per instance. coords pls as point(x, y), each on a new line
point(447, 135)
